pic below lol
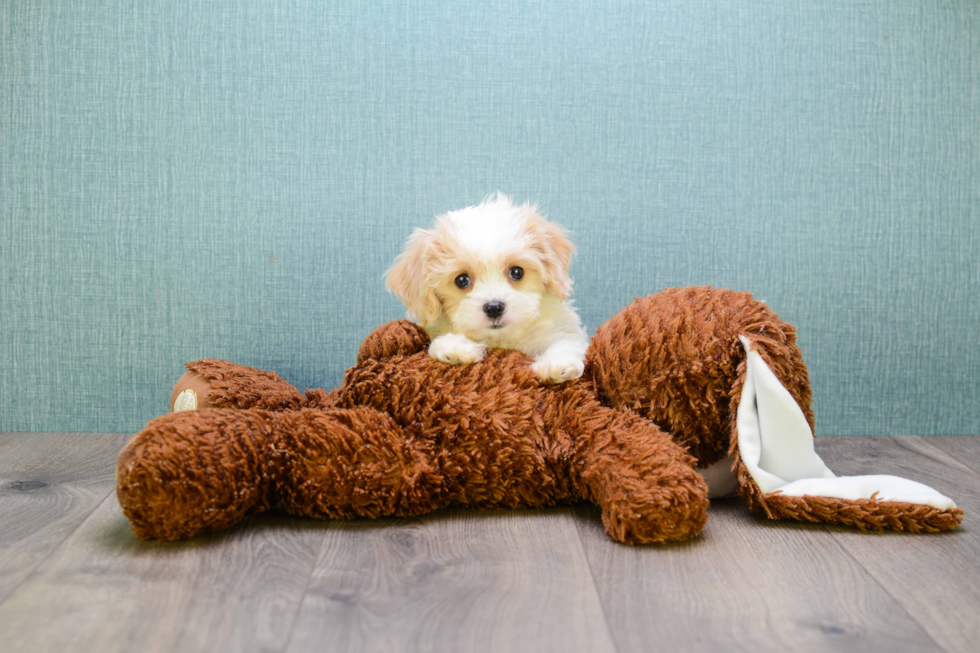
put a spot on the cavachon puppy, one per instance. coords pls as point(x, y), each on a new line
point(494, 275)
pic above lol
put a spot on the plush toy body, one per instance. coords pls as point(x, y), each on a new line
point(689, 378)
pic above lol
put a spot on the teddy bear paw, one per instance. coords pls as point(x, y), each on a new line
point(558, 369)
point(455, 349)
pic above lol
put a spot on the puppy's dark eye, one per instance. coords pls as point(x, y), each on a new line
point(463, 281)
point(516, 273)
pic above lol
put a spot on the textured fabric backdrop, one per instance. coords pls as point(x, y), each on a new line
point(181, 179)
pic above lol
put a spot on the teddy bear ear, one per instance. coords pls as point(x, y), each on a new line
point(787, 479)
point(551, 241)
point(406, 278)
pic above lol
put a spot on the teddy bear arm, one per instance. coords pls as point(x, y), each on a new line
point(397, 338)
point(642, 480)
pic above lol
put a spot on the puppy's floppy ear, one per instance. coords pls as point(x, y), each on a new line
point(407, 278)
point(550, 240)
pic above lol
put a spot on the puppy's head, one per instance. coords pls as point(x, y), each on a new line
point(486, 269)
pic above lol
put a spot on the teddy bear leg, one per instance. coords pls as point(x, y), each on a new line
point(781, 475)
point(191, 472)
point(196, 471)
point(644, 482)
point(355, 462)
point(210, 383)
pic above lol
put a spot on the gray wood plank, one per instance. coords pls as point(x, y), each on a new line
point(104, 590)
point(936, 578)
point(49, 483)
point(744, 584)
point(453, 581)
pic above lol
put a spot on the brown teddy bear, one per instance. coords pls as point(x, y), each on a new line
point(689, 380)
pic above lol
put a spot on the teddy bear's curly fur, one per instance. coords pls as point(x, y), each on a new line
point(405, 434)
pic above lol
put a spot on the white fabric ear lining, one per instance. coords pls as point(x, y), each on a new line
point(776, 446)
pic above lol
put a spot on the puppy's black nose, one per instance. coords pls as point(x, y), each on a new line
point(493, 309)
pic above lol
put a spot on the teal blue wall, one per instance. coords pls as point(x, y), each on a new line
point(181, 179)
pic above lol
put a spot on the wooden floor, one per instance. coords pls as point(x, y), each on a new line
point(74, 578)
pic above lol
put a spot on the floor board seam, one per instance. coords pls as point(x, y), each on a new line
point(306, 589)
point(839, 542)
point(924, 439)
point(576, 517)
point(835, 536)
point(836, 539)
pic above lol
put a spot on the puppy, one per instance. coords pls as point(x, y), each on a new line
point(493, 275)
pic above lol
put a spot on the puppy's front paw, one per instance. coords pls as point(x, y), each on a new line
point(558, 369)
point(455, 349)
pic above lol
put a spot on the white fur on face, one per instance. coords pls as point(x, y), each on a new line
point(485, 242)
